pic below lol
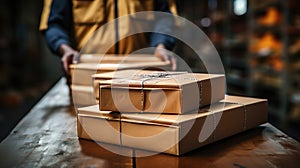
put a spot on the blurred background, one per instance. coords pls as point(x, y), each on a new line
point(27, 67)
point(258, 41)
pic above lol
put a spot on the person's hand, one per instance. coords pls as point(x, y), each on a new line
point(162, 53)
point(68, 56)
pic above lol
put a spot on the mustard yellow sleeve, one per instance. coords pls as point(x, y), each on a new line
point(173, 7)
point(45, 15)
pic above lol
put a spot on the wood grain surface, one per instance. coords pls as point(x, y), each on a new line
point(47, 137)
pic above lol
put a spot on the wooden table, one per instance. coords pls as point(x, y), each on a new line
point(47, 137)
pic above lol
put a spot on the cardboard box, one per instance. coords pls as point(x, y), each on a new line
point(112, 58)
point(83, 96)
point(172, 134)
point(82, 73)
point(258, 116)
point(162, 92)
point(97, 78)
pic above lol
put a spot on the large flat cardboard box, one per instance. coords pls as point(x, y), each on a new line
point(83, 96)
point(172, 134)
point(161, 92)
point(113, 58)
point(130, 73)
point(82, 73)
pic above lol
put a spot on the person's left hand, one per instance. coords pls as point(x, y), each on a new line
point(68, 56)
point(162, 53)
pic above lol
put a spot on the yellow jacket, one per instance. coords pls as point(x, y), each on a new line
point(89, 15)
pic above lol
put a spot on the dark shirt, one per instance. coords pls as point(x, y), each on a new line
point(60, 25)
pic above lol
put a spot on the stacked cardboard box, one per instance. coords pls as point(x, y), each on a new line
point(172, 134)
point(81, 74)
point(164, 115)
point(161, 92)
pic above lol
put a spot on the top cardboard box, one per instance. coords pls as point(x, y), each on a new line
point(161, 92)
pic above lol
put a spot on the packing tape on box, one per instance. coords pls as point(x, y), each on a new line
point(245, 113)
point(113, 116)
point(121, 142)
point(166, 75)
point(157, 77)
point(213, 116)
point(214, 126)
point(214, 119)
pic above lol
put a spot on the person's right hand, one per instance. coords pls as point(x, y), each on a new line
point(162, 53)
point(68, 56)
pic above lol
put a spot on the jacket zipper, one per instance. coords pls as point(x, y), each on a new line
point(116, 14)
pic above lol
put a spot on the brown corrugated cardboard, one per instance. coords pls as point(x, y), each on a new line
point(257, 117)
point(102, 127)
point(162, 92)
point(83, 96)
point(81, 73)
point(172, 134)
point(112, 58)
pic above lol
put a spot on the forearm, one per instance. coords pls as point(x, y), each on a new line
point(55, 36)
point(164, 25)
point(162, 39)
point(59, 25)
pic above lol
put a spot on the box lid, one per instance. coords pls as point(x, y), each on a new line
point(94, 111)
point(242, 100)
point(121, 74)
point(151, 118)
point(162, 79)
point(82, 88)
point(113, 58)
point(116, 66)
